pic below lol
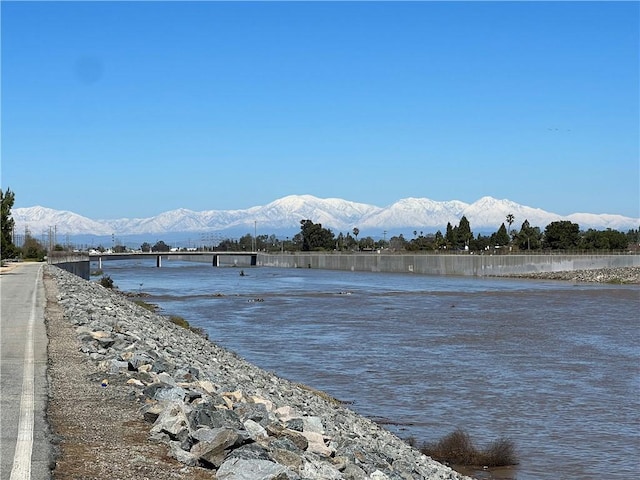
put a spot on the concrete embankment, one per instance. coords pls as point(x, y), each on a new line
point(214, 412)
point(78, 264)
point(435, 264)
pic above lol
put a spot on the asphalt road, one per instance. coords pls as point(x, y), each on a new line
point(25, 449)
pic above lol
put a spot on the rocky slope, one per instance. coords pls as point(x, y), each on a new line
point(135, 396)
point(622, 275)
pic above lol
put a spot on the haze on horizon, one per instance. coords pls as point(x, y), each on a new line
point(131, 109)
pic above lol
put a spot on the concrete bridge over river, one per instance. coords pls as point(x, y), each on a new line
point(80, 264)
point(216, 259)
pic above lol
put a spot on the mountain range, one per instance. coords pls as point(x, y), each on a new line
point(283, 216)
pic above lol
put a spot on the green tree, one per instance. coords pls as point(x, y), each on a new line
point(604, 240)
point(451, 236)
point(422, 243)
point(160, 246)
point(480, 243)
point(269, 243)
point(246, 242)
point(7, 248)
point(528, 238)
point(314, 237)
point(501, 237)
point(350, 243)
point(356, 232)
point(398, 243)
point(145, 247)
point(617, 240)
point(465, 235)
point(381, 244)
point(561, 235)
point(366, 243)
point(32, 249)
point(228, 245)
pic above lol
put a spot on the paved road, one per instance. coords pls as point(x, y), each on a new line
point(24, 444)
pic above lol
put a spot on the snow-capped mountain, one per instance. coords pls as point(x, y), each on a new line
point(284, 214)
point(488, 210)
point(415, 212)
point(330, 212)
point(40, 219)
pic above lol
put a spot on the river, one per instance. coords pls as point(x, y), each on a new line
point(552, 366)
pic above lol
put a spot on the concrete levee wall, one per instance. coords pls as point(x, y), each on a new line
point(426, 264)
point(77, 264)
point(432, 264)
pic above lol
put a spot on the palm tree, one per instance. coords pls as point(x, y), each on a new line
point(356, 231)
point(510, 219)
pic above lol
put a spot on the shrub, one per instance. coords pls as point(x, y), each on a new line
point(458, 449)
point(106, 281)
point(499, 453)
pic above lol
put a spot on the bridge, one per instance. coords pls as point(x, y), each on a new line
point(212, 257)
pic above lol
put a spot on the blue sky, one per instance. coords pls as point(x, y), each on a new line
point(131, 109)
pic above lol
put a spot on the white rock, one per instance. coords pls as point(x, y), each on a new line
point(255, 430)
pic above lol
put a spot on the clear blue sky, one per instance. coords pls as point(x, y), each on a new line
point(131, 109)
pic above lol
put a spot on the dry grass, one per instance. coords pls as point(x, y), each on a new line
point(457, 448)
point(147, 306)
point(324, 395)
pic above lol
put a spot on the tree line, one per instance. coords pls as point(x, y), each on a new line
point(559, 235)
point(313, 237)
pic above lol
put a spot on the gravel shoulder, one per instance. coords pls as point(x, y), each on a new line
point(98, 432)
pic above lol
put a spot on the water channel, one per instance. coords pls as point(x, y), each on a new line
point(553, 366)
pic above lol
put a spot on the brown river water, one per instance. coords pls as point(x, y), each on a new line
point(552, 366)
